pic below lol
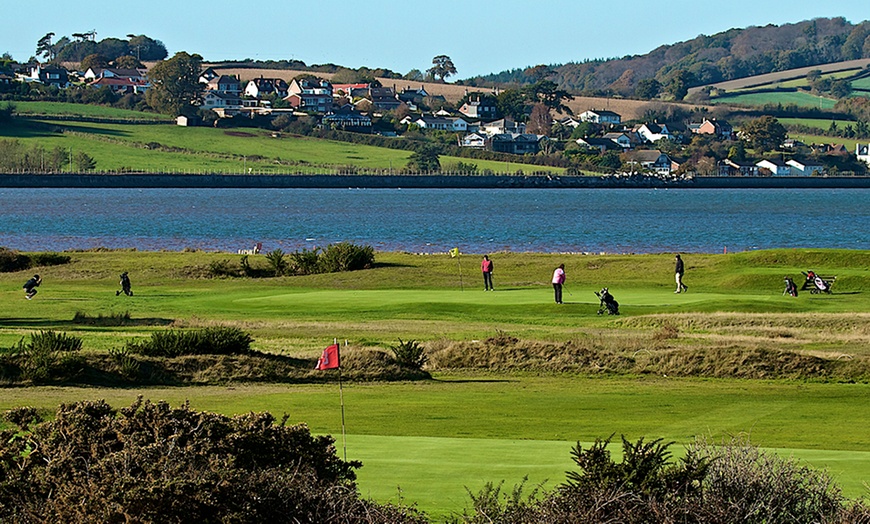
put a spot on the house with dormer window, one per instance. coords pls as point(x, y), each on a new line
point(601, 117)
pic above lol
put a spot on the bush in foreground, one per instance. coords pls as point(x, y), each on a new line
point(724, 484)
point(151, 463)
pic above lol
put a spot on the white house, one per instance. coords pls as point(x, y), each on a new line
point(503, 126)
point(653, 132)
point(776, 167)
point(620, 138)
point(863, 153)
point(649, 160)
point(218, 99)
point(805, 167)
point(600, 117)
point(474, 140)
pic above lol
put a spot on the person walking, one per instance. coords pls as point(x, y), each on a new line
point(558, 280)
point(679, 270)
point(486, 268)
point(30, 287)
point(126, 287)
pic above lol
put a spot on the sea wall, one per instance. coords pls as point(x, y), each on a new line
point(415, 181)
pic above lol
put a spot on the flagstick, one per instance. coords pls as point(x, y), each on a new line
point(458, 261)
point(341, 397)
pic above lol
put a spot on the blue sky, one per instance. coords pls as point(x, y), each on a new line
point(481, 37)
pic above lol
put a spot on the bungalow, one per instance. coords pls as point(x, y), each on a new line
point(730, 167)
point(620, 138)
point(775, 167)
point(805, 167)
point(483, 109)
point(260, 87)
point(652, 132)
point(219, 100)
point(121, 85)
point(600, 117)
point(516, 143)
point(863, 153)
point(649, 160)
point(224, 84)
point(114, 72)
point(718, 128)
point(503, 126)
point(602, 144)
point(440, 123)
point(474, 140)
point(349, 119)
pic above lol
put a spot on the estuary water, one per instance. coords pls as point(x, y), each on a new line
point(436, 220)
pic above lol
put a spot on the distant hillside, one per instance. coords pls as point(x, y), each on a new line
point(733, 54)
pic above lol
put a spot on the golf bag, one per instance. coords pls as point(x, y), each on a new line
point(607, 302)
point(790, 287)
point(816, 284)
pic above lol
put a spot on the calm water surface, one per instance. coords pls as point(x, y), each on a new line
point(420, 220)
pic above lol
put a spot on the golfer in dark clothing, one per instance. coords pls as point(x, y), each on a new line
point(678, 275)
point(126, 287)
point(486, 268)
point(30, 287)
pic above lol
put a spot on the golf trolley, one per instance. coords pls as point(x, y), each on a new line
point(607, 302)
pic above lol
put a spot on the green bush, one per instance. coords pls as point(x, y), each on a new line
point(304, 262)
point(221, 268)
point(409, 354)
point(275, 258)
point(125, 363)
point(46, 357)
point(151, 463)
point(49, 259)
point(208, 341)
point(11, 260)
point(345, 256)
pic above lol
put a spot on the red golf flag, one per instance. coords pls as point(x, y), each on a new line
point(329, 359)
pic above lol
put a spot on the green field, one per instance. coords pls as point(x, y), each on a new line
point(176, 149)
point(429, 440)
point(796, 98)
point(84, 110)
point(818, 123)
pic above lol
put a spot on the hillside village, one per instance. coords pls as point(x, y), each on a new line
point(598, 137)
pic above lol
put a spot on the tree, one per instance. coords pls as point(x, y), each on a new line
point(548, 93)
point(538, 72)
point(175, 84)
point(678, 83)
point(510, 103)
point(442, 66)
point(764, 133)
point(128, 62)
point(425, 160)
point(144, 48)
point(648, 88)
point(94, 62)
point(414, 74)
point(84, 162)
point(44, 47)
point(540, 121)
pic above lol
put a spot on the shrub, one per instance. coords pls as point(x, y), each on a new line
point(45, 358)
point(112, 319)
point(409, 354)
point(208, 341)
point(277, 262)
point(125, 363)
point(11, 260)
point(91, 463)
point(345, 256)
point(49, 259)
point(304, 262)
point(221, 268)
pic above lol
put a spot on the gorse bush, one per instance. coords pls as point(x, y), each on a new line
point(91, 463)
point(208, 341)
point(410, 354)
point(345, 256)
point(304, 262)
point(11, 260)
point(724, 484)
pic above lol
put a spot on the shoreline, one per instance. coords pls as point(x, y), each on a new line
point(219, 181)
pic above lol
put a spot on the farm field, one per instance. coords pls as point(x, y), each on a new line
point(468, 425)
point(168, 148)
point(818, 123)
point(797, 98)
point(84, 110)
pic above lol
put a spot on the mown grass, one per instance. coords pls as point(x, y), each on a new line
point(466, 427)
point(800, 99)
point(204, 149)
point(84, 110)
point(818, 123)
